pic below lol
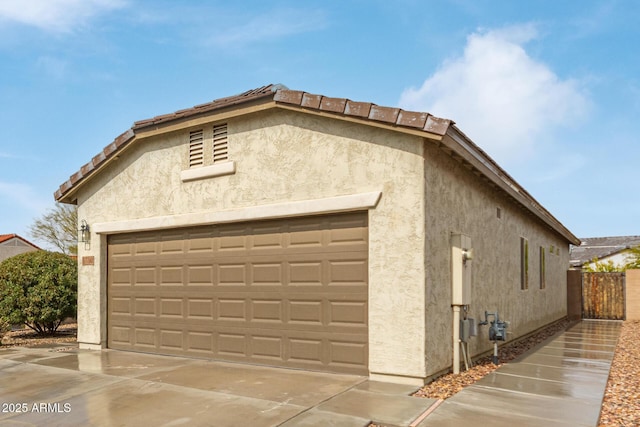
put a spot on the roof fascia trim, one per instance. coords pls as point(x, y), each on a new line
point(363, 121)
point(463, 147)
point(66, 192)
point(236, 110)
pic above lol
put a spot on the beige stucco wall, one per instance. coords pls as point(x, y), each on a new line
point(632, 295)
point(283, 156)
point(459, 201)
point(14, 247)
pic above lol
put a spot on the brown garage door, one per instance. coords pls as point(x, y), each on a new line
point(286, 292)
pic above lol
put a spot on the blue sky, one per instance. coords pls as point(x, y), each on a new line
point(550, 89)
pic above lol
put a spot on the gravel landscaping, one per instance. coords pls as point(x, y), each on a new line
point(621, 406)
point(448, 385)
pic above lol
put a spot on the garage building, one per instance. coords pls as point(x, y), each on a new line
point(290, 229)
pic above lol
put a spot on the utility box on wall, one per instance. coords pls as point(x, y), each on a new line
point(461, 256)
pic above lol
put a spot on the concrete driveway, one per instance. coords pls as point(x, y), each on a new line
point(63, 386)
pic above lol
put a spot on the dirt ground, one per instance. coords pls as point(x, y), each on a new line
point(28, 338)
point(621, 406)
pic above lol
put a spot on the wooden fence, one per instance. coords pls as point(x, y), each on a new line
point(612, 296)
point(603, 296)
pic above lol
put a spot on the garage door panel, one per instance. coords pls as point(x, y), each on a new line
point(306, 350)
point(171, 247)
point(232, 344)
point(266, 347)
point(172, 339)
point(120, 335)
point(145, 276)
point(348, 313)
point(200, 342)
point(286, 293)
point(234, 309)
point(267, 311)
point(306, 239)
point(305, 273)
point(232, 244)
point(120, 276)
point(305, 312)
point(231, 274)
point(267, 238)
point(347, 353)
point(172, 308)
point(200, 308)
point(171, 275)
point(145, 338)
point(145, 306)
point(145, 248)
point(200, 245)
point(266, 273)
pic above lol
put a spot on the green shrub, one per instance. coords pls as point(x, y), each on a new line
point(38, 289)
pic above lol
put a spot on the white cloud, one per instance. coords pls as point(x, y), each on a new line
point(59, 16)
point(271, 26)
point(503, 99)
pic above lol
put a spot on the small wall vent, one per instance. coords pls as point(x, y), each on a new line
point(196, 148)
point(220, 143)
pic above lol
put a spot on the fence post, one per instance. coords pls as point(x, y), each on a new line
point(633, 295)
point(574, 294)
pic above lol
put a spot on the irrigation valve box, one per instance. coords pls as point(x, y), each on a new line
point(461, 260)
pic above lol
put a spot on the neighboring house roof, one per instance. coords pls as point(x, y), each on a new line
point(7, 237)
point(442, 131)
point(601, 247)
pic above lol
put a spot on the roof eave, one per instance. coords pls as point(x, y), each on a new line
point(464, 148)
point(67, 192)
point(418, 123)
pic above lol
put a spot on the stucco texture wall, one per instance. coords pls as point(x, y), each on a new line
point(283, 156)
point(459, 201)
point(14, 247)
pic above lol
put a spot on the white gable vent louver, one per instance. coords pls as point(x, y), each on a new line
point(220, 146)
point(196, 148)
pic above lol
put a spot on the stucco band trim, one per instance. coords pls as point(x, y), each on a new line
point(348, 203)
point(226, 168)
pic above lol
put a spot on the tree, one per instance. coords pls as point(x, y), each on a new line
point(38, 289)
point(634, 258)
point(58, 226)
point(597, 266)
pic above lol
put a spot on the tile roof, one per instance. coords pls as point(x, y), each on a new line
point(280, 96)
point(365, 110)
point(216, 104)
point(7, 237)
point(601, 247)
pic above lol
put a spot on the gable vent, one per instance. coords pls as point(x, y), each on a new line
point(220, 146)
point(196, 148)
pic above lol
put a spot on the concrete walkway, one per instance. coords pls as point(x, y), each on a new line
point(64, 386)
point(559, 383)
